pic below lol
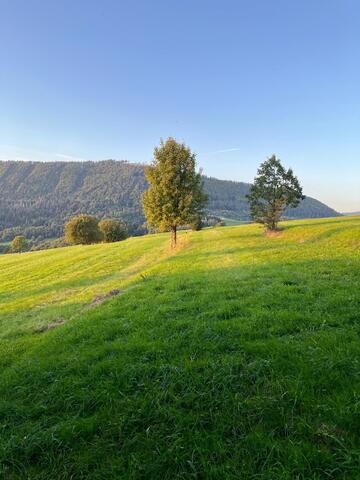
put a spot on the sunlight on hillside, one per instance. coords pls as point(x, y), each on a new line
point(60, 282)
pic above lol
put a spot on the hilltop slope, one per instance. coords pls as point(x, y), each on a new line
point(37, 198)
point(237, 356)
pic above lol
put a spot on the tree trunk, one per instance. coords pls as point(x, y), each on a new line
point(272, 220)
point(173, 236)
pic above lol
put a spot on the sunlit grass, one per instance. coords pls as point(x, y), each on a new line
point(237, 356)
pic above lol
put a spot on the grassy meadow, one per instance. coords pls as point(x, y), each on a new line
point(235, 357)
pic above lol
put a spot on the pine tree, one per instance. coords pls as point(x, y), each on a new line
point(273, 190)
point(175, 195)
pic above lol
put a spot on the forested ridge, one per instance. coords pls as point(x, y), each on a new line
point(37, 198)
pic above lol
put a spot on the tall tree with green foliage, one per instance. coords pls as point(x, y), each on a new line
point(175, 195)
point(19, 244)
point(83, 229)
point(274, 189)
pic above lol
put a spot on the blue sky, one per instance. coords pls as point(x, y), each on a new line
point(236, 80)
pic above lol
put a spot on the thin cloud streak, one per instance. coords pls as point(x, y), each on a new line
point(14, 152)
point(226, 150)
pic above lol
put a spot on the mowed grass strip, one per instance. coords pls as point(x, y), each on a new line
point(236, 357)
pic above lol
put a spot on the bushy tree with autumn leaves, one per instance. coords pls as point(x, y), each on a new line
point(175, 195)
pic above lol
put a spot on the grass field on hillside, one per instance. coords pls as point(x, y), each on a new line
point(233, 221)
point(237, 356)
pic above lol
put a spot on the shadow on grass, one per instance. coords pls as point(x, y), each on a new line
point(29, 321)
point(234, 372)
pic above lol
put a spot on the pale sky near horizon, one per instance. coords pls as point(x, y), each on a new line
point(236, 80)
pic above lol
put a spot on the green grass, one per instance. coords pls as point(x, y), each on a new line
point(236, 357)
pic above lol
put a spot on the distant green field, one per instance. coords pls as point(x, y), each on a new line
point(235, 357)
point(233, 221)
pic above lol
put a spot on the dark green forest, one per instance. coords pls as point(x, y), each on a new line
point(37, 198)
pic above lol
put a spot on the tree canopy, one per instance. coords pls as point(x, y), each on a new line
point(175, 195)
point(112, 230)
point(274, 189)
point(19, 244)
point(82, 229)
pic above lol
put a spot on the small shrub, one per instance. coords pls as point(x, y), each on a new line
point(113, 230)
point(82, 229)
point(196, 224)
point(47, 244)
point(19, 244)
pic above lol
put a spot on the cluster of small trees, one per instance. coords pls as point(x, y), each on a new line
point(82, 229)
point(85, 229)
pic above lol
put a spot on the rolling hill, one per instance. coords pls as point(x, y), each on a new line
point(235, 356)
point(37, 198)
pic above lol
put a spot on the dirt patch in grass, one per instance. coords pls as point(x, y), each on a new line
point(99, 299)
point(273, 233)
point(50, 326)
